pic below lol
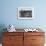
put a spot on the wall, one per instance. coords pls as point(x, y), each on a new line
point(9, 13)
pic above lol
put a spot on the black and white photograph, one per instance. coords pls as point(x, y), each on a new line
point(25, 13)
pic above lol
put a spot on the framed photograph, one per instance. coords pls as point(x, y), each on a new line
point(25, 13)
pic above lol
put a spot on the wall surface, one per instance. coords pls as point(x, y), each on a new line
point(9, 13)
